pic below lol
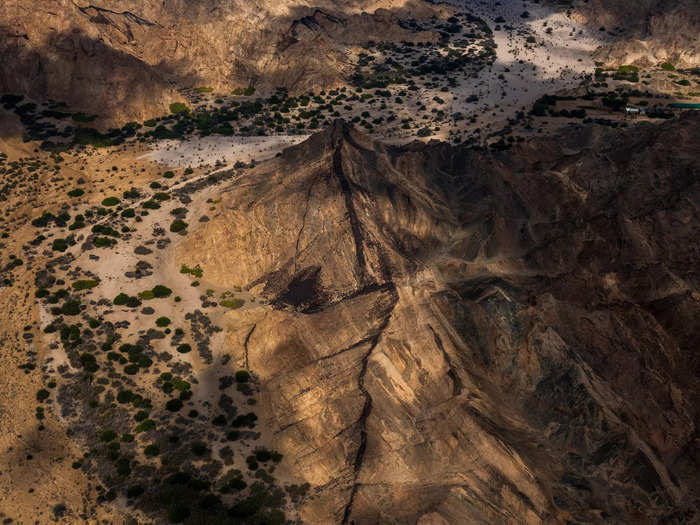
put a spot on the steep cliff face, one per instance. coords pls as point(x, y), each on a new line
point(654, 31)
point(465, 337)
point(124, 59)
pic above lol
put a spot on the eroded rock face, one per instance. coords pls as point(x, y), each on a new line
point(654, 31)
point(123, 60)
point(467, 337)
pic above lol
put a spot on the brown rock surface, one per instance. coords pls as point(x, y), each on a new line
point(655, 31)
point(123, 60)
point(467, 337)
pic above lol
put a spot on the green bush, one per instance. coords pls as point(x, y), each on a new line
point(103, 242)
point(178, 225)
point(77, 192)
point(125, 396)
point(168, 174)
point(85, 284)
point(162, 321)
point(71, 307)
point(151, 205)
point(232, 303)
point(184, 348)
point(42, 395)
point(667, 66)
point(59, 245)
point(173, 405)
point(160, 291)
point(146, 295)
point(110, 201)
point(128, 213)
point(195, 272)
point(242, 376)
point(179, 107)
point(145, 426)
point(120, 299)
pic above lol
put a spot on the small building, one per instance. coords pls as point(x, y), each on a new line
point(631, 110)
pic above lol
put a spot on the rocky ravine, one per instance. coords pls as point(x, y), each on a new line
point(467, 337)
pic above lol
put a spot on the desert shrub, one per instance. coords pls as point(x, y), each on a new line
point(184, 348)
point(120, 299)
point(181, 385)
point(168, 174)
point(151, 450)
point(145, 426)
point(42, 395)
point(151, 205)
point(247, 420)
point(199, 448)
point(178, 225)
point(232, 303)
point(162, 321)
point(110, 201)
point(76, 192)
point(173, 405)
point(125, 396)
point(146, 295)
point(131, 369)
point(71, 307)
point(103, 242)
point(178, 107)
point(667, 66)
point(161, 196)
point(242, 376)
point(107, 435)
point(196, 271)
point(85, 284)
point(160, 291)
point(59, 245)
point(128, 213)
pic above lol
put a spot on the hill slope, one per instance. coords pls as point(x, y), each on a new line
point(469, 337)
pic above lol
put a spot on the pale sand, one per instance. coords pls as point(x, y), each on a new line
point(561, 63)
point(218, 150)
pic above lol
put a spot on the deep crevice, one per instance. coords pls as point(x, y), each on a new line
point(367, 407)
point(245, 345)
point(303, 222)
point(456, 381)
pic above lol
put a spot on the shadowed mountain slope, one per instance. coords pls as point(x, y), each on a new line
point(471, 337)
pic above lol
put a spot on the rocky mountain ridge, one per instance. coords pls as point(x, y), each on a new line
point(125, 60)
point(472, 337)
